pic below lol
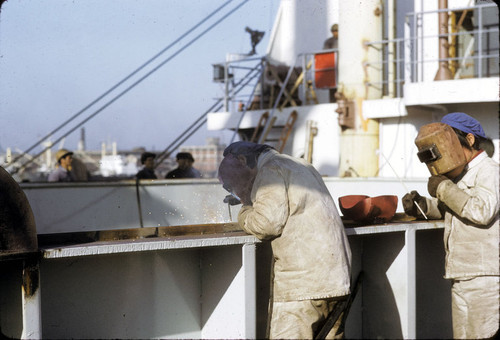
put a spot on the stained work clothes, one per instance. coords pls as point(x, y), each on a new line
point(146, 174)
point(293, 319)
point(473, 305)
point(471, 240)
point(60, 174)
point(292, 206)
point(184, 173)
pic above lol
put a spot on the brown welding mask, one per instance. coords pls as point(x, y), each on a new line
point(439, 148)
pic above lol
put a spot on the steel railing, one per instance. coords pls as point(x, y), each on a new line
point(414, 58)
point(409, 59)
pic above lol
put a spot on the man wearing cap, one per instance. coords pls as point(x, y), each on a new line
point(184, 167)
point(285, 201)
point(62, 173)
point(148, 172)
point(468, 199)
point(332, 42)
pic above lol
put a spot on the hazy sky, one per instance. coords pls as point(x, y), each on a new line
point(57, 56)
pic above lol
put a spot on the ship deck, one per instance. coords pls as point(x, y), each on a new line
point(206, 281)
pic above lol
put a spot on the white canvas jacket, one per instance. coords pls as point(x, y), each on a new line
point(471, 236)
point(292, 207)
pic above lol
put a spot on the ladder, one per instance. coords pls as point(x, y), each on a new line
point(263, 129)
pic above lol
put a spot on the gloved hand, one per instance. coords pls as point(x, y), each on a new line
point(409, 206)
point(433, 184)
point(231, 200)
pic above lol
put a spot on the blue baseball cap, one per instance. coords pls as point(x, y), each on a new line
point(465, 123)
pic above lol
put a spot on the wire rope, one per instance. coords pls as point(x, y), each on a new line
point(134, 84)
point(114, 87)
point(215, 107)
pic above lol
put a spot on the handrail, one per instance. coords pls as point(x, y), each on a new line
point(215, 107)
point(410, 61)
point(278, 98)
point(454, 9)
point(250, 98)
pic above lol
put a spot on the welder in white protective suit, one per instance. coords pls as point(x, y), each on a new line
point(286, 201)
point(468, 198)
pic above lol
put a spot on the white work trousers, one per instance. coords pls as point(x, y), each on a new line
point(475, 307)
point(302, 319)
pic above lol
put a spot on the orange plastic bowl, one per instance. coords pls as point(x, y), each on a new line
point(362, 208)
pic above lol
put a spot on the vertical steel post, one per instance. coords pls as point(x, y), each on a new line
point(226, 85)
point(480, 44)
point(248, 259)
point(31, 300)
point(398, 72)
point(408, 56)
point(410, 240)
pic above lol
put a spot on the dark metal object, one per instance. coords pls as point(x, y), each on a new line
point(17, 222)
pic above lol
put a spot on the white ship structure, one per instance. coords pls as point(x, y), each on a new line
point(166, 259)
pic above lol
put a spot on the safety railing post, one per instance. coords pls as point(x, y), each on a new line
point(480, 44)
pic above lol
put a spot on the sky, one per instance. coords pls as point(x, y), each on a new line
point(58, 56)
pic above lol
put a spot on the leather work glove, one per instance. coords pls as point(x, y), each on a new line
point(409, 206)
point(231, 200)
point(433, 184)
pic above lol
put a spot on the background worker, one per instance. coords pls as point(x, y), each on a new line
point(332, 42)
point(62, 172)
point(468, 199)
point(286, 201)
point(148, 172)
point(184, 167)
point(79, 171)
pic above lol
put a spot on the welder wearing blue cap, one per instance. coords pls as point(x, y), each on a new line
point(468, 199)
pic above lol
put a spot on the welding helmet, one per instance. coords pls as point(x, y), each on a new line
point(439, 148)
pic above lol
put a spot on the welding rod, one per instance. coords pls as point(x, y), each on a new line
point(401, 181)
point(229, 204)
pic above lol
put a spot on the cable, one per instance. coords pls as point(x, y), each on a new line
point(135, 83)
point(176, 143)
point(119, 83)
point(215, 107)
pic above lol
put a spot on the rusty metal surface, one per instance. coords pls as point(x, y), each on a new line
point(62, 239)
point(397, 219)
point(31, 277)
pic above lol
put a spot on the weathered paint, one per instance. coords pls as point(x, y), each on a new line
point(31, 277)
